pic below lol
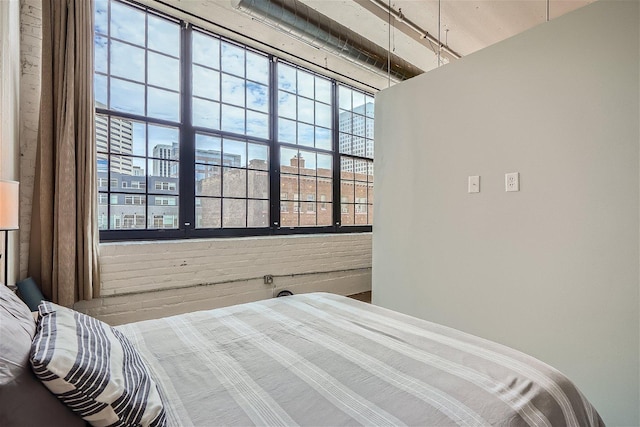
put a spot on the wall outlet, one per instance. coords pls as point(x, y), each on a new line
point(512, 181)
point(474, 184)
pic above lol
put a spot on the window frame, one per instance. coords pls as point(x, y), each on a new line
point(186, 192)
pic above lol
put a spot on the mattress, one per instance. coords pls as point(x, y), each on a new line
point(322, 359)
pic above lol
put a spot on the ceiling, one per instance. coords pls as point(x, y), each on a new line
point(466, 26)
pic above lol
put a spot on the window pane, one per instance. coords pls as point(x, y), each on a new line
point(208, 182)
point(100, 90)
point(358, 102)
point(100, 49)
point(289, 214)
point(208, 213)
point(232, 90)
point(234, 213)
point(206, 82)
point(233, 119)
point(325, 165)
point(305, 110)
point(286, 78)
point(323, 138)
point(287, 131)
point(164, 71)
point(163, 104)
point(289, 160)
point(323, 90)
point(101, 16)
point(258, 213)
point(369, 150)
point(306, 86)
point(306, 134)
point(125, 136)
point(258, 184)
point(127, 97)
point(258, 97)
point(370, 106)
point(344, 97)
point(208, 149)
point(164, 36)
point(232, 59)
point(325, 189)
point(127, 23)
point(205, 50)
point(307, 163)
point(346, 214)
point(206, 113)
point(289, 188)
point(347, 191)
point(164, 216)
point(345, 119)
point(257, 68)
point(287, 105)
point(257, 124)
point(346, 168)
point(323, 115)
point(164, 176)
point(325, 214)
point(344, 142)
point(369, 128)
point(307, 217)
point(258, 156)
point(127, 61)
point(234, 182)
point(235, 153)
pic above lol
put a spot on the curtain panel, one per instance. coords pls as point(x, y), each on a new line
point(63, 254)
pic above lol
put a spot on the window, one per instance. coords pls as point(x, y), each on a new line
point(134, 200)
point(249, 144)
point(355, 139)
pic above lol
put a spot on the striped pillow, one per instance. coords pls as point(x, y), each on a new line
point(94, 369)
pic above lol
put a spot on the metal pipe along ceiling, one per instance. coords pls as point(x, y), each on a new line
point(307, 24)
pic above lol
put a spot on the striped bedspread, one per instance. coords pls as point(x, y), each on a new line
point(325, 360)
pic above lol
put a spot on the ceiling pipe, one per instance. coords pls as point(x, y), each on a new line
point(304, 23)
point(423, 34)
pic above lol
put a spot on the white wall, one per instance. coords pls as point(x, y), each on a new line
point(553, 269)
point(9, 117)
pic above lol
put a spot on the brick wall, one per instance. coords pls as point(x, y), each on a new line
point(144, 280)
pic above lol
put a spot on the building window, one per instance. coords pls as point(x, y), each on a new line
point(200, 157)
point(134, 200)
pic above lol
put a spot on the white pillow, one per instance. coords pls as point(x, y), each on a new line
point(94, 369)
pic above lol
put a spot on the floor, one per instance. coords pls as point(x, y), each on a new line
point(364, 296)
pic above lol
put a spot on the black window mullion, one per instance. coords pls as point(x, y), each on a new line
point(187, 149)
point(335, 197)
point(274, 148)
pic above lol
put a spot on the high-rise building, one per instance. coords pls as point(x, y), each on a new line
point(115, 138)
point(356, 134)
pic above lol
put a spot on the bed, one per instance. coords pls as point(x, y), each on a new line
point(322, 359)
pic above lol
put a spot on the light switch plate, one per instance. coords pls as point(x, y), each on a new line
point(474, 184)
point(512, 181)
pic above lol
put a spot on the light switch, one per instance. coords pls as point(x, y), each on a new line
point(512, 181)
point(474, 184)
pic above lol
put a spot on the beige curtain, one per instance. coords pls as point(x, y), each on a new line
point(63, 254)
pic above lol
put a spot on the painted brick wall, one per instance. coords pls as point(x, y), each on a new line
point(143, 280)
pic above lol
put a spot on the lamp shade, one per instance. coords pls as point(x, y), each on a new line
point(9, 205)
